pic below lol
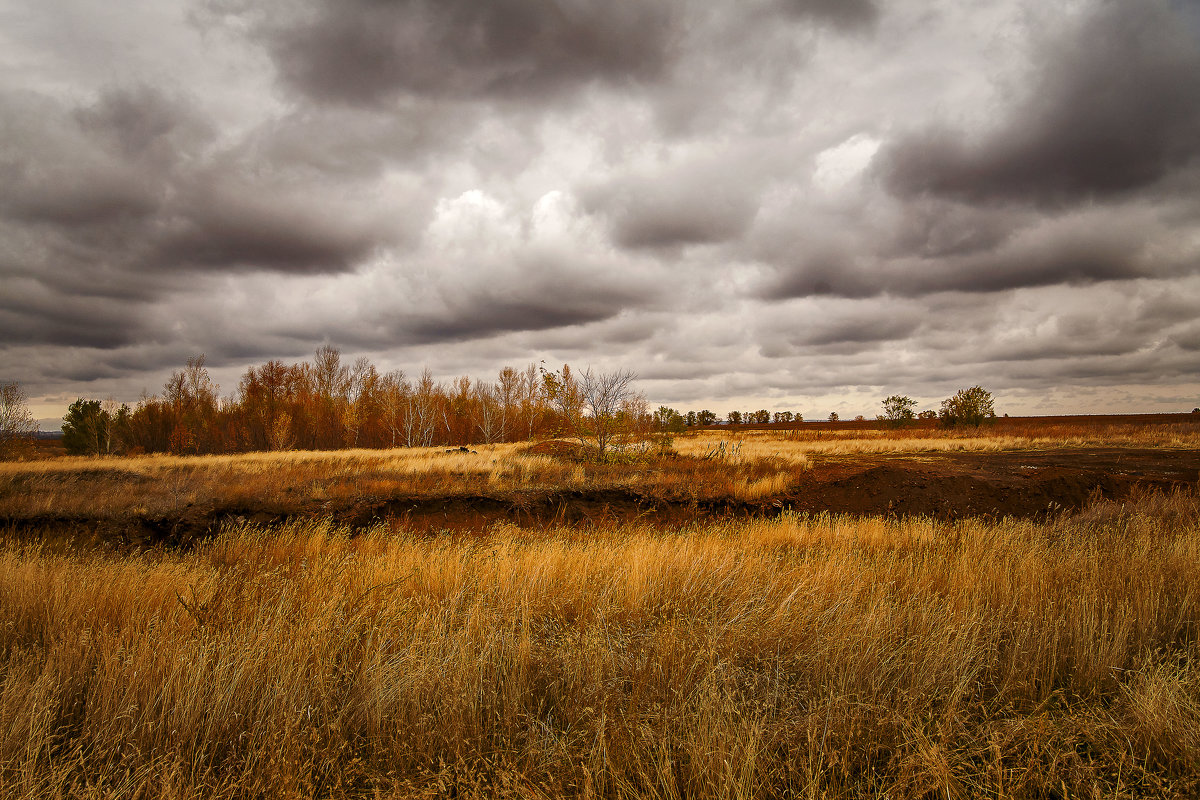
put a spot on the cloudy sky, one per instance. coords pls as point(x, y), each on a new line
point(782, 204)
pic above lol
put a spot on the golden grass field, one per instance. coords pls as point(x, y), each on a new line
point(791, 656)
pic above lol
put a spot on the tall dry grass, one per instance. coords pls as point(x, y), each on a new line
point(796, 657)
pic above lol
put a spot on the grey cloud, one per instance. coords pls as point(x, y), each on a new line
point(491, 317)
point(932, 228)
point(1115, 107)
point(142, 124)
point(1079, 249)
point(876, 325)
point(29, 314)
point(685, 204)
point(844, 14)
point(128, 198)
point(832, 273)
point(366, 52)
point(357, 143)
point(1187, 338)
point(226, 228)
point(76, 169)
point(550, 301)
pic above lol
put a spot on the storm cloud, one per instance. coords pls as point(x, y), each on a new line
point(1114, 107)
point(794, 204)
point(369, 52)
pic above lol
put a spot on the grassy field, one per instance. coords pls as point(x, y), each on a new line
point(744, 465)
point(794, 657)
point(789, 656)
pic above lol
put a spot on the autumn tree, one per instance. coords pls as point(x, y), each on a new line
point(191, 400)
point(706, 417)
point(359, 407)
point(270, 396)
point(565, 399)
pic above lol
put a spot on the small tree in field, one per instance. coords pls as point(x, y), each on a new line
point(972, 406)
point(610, 405)
point(898, 410)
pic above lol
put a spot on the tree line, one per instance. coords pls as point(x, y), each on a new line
point(327, 404)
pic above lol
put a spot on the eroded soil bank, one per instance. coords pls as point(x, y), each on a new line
point(946, 485)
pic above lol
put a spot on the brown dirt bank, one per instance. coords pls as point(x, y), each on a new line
point(947, 485)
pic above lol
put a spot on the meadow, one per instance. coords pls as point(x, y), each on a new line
point(776, 655)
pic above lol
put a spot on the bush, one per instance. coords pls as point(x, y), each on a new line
point(969, 407)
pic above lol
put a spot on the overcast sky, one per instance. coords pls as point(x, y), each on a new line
point(784, 204)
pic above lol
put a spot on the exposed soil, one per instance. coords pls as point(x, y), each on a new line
point(1027, 484)
point(995, 484)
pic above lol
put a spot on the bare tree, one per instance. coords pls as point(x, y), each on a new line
point(393, 399)
point(508, 388)
point(17, 425)
point(422, 412)
point(488, 411)
point(607, 398)
point(532, 406)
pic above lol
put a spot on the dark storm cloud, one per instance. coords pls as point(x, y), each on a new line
point(1076, 249)
point(1114, 107)
point(845, 14)
point(128, 197)
point(492, 317)
point(549, 299)
point(94, 165)
point(30, 314)
point(366, 52)
point(682, 205)
point(834, 274)
point(869, 326)
point(231, 228)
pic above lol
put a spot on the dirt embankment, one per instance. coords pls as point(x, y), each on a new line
point(1028, 484)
